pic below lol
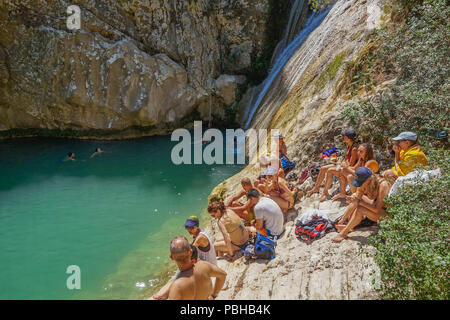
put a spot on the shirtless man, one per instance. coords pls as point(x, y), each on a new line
point(242, 210)
point(194, 281)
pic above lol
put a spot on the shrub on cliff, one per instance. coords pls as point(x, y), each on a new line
point(417, 53)
point(413, 242)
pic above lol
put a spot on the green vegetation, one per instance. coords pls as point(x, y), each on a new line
point(413, 241)
point(330, 71)
point(417, 53)
point(412, 244)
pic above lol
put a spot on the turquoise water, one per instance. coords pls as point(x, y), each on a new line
point(112, 215)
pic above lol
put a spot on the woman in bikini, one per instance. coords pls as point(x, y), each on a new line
point(232, 228)
point(367, 201)
point(346, 173)
point(276, 190)
point(350, 159)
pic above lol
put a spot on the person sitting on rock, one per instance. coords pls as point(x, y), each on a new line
point(346, 172)
point(280, 193)
point(232, 228)
point(369, 201)
point(194, 280)
point(269, 219)
point(242, 210)
point(350, 159)
point(407, 156)
point(202, 241)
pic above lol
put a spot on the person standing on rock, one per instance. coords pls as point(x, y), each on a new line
point(269, 218)
point(367, 201)
point(232, 228)
point(202, 241)
point(194, 280)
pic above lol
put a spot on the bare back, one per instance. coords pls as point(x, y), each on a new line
point(196, 284)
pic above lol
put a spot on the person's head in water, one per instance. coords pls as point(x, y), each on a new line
point(216, 209)
point(98, 150)
point(192, 226)
point(180, 250)
point(246, 184)
point(71, 155)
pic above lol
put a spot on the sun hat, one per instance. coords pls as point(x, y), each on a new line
point(192, 222)
point(407, 135)
point(349, 133)
point(361, 175)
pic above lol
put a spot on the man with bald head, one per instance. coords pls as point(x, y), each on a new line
point(194, 280)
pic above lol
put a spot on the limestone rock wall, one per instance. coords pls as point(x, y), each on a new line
point(146, 63)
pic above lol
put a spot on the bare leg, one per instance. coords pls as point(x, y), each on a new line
point(221, 247)
point(320, 178)
point(356, 219)
point(349, 180)
point(283, 204)
point(342, 184)
point(330, 173)
point(348, 212)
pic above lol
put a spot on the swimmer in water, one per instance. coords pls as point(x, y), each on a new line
point(96, 152)
point(70, 156)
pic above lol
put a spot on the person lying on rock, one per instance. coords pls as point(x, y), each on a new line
point(269, 220)
point(367, 201)
point(407, 156)
point(242, 210)
point(346, 173)
point(232, 228)
point(350, 159)
point(202, 241)
point(194, 280)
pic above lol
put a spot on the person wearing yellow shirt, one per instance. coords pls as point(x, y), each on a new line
point(407, 155)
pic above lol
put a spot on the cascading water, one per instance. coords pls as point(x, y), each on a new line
point(272, 80)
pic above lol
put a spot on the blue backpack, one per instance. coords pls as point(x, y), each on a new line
point(262, 248)
point(286, 164)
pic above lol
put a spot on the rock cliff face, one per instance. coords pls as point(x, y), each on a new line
point(133, 63)
point(304, 102)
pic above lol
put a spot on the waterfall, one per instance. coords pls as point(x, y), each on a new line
point(293, 26)
point(272, 81)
